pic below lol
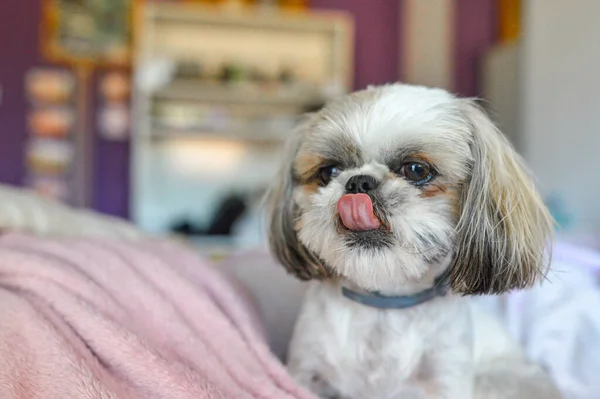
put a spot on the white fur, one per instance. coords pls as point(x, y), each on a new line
point(364, 353)
point(345, 350)
point(446, 348)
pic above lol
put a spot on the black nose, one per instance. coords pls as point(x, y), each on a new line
point(361, 184)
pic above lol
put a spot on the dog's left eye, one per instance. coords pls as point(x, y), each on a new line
point(416, 172)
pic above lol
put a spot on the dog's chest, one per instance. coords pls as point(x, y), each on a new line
point(375, 354)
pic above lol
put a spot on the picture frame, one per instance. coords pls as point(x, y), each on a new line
point(88, 32)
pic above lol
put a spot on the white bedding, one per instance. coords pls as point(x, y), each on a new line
point(24, 211)
point(558, 323)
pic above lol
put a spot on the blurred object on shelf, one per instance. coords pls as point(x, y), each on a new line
point(186, 227)
point(51, 122)
point(293, 5)
point(287, 75)
point(184, 115)
point(170, 118)
point(189, 69)
point(49, 157)
point(50, 150)
point(252, 95)
point(509, 20)
point(114, 121)
point(50, 187)
point(87, 32)
point(50, 86)
point(233, 73)
point(154, 74)
point(113, 117)
point(115, 87)
point(230, 210)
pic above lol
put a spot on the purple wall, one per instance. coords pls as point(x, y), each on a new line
point(19, 22)
point(111, 185)
point(377, 33)
point(475, 31)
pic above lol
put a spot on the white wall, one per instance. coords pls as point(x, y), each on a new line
point(500, 86)
point(561, 103)
point(428, 42)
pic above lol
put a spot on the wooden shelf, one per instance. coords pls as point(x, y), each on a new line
point(195, 91)
point(176, 155)
point(206, 134)
point(251, 18)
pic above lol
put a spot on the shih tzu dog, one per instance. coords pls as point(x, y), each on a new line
point(397, 202)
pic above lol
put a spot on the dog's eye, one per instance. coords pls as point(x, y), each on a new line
point(417, 173)
point(327, 173)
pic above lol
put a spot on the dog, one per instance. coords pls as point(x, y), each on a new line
point(398, 202)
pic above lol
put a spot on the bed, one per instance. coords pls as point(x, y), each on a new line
point(93, 307)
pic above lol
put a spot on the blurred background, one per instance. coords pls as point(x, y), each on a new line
point(172, 113)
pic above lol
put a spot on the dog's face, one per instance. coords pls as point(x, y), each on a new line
point(394, 183)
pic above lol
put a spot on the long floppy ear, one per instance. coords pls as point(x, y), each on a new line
point(504, 232)
point(283, 213)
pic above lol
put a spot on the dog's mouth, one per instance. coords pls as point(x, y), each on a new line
point(359, 215)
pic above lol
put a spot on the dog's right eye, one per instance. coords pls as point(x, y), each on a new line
point(417, 173)
point(327, 173)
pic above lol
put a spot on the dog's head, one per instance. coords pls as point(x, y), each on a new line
point(393, 183)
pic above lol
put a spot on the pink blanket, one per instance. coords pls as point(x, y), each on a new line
point(100, 319)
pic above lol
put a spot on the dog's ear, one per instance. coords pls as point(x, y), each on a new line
point(283, 215)
point(504, 232)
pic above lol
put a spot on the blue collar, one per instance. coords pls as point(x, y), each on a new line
point(440, 287)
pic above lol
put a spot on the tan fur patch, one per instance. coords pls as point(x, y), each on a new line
point(310, 188)
point(306, 165)
point(434, 189)
point(420, 156)
point(448, 192)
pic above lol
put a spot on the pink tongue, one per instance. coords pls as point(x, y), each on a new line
point(356, 211)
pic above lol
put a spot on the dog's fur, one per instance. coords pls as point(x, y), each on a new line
point(479, 219)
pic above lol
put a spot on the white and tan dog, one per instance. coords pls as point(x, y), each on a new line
point(397, 201)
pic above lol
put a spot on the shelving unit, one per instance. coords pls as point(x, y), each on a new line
point(217, 91)
point(192, 91)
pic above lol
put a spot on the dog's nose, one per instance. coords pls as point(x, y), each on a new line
point(361, 184)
